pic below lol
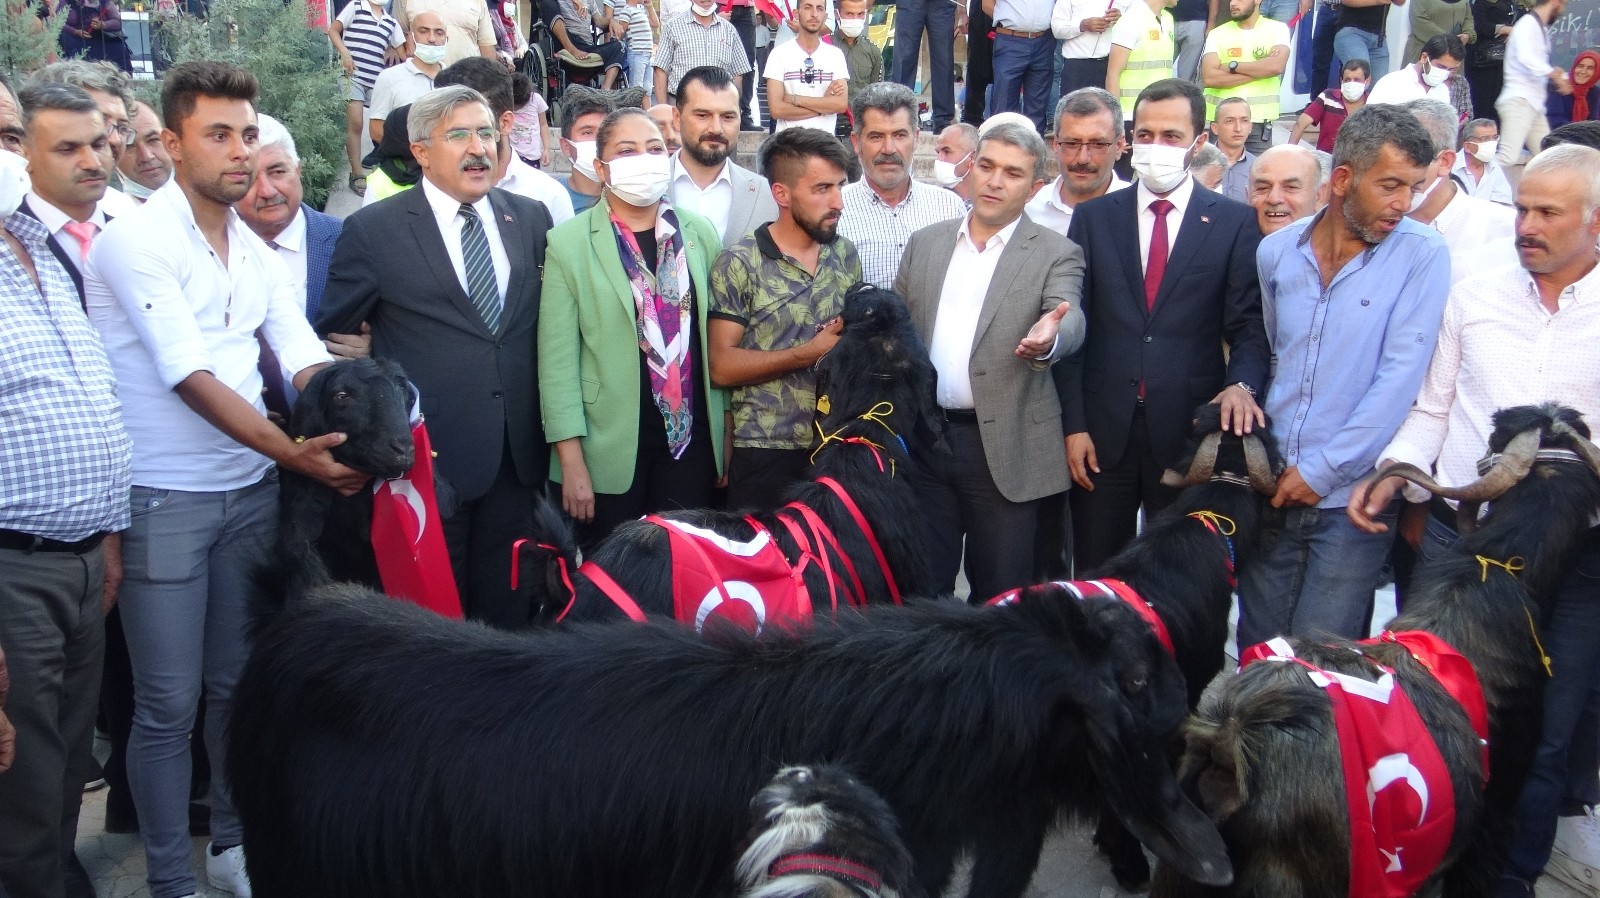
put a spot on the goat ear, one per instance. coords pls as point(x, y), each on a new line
point(309, 417)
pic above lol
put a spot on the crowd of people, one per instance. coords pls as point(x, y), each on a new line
point(642, 334)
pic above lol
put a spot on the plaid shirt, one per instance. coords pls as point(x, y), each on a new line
point(685, 44)
point(880, 231)
point(67, 468)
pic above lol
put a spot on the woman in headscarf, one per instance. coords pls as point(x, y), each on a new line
point(1584, 103)
point(93, 30)
point(397, 169)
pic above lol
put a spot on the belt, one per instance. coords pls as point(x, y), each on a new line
point(1440, 510)
point(27, 542)
point(960, 415)
point(1012, 32)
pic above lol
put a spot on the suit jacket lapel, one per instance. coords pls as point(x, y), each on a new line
point(608, 259)
point(926, 314)
point(513, 237)
point(1191, 233)
point(425, 229)
point(1013, 258)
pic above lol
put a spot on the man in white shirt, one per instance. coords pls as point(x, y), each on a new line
point(1088, 142)
point(69, 165)
point(1024, 57)
point(1528, 77)
point(1288, 183)
point(952, 159)
point(808, 81)
point(402, 84)
point(180, 317)
point(1481, 234)
point(705, 178)
point(113, 94)
point(1441, 56)
point(885, 207)
point(1084, 29)
point(144, 165)
point(1476, 168)
point(1517, 336)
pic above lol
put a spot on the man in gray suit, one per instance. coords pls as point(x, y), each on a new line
point(977, 286)
point(448, 276)
point(704, 179)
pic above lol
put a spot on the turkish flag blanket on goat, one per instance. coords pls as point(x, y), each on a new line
point(408, 537)
point(1402, 805)
point(748, 583)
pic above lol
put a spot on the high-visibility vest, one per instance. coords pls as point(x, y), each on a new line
point(1149, 61)
point(1235, 44)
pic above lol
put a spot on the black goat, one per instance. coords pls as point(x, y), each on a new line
point(876, 391)
point(380, 751)
point(1262, 753)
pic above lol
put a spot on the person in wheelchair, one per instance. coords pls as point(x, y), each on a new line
point(575, 24)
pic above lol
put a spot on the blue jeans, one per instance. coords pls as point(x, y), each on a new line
point(1355, 43)
point(1314, 576)
point(1282, 10)
point(938, 18)
point(187, 560)
point(1023, 70)
point(638, 69)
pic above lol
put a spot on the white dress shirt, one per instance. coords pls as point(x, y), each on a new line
point(55, 221)
point(115, 202)
point(714, 203)
point(1047, 209)
point(1066, 19)
point(168, 308)
point(1405, 85)
point(955, 325)
point(1179, 198)
point(1482, 235)
point(1493, 186)
point(1499, 347)
point(447, 212)
point(290, 245)
point(1527, 63)
point(524, 180)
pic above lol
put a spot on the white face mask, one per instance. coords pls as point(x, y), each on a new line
point(704, 10)
point(1486, 150)
point(1161, 168)
point(944, 173)
point(14, 183)
point(1353, 90)
point(583, 158)
point(852, 27)
point(1419, 198)
point(429, 54)
point(1435, 76)
point(639, 180)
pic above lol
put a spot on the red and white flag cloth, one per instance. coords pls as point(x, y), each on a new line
point(407, 535)
point(1401, 801)
point(748, 583)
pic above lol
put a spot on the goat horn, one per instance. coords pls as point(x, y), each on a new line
point(1259, 468)
point(1205, 460)
point(1514, 465)
point(1588, 450)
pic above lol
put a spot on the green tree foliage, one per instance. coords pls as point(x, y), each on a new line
point(27, 42)
point(299, 79)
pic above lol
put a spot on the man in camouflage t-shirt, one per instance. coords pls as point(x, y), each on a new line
point(775, 300)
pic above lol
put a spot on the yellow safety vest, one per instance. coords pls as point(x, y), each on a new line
point(1148, 62)
point(1235, 44)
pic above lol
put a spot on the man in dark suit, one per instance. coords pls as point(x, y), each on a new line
point(449, 276)
point(1170, 278)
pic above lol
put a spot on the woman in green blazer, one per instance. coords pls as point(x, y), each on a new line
point(623, 381)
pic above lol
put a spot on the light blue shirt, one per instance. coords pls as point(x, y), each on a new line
point(1349, 360)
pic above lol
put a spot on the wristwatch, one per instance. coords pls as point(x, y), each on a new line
point(1241, 384)
point(1233, 67)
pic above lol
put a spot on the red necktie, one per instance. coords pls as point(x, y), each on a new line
point(83, 232)
point(1156, 268)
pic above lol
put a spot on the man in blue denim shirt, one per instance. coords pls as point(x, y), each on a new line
point(1352, 299)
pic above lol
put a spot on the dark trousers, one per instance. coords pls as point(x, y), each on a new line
point(1024, 67)
point(54, 637)
point(938, 19)
point(759, 478)
point(660, 483)
point(1485, 83)
point(743, 19)
point(1080, 73)
point(479, 537)
point(1327, 25)
point(1106, 518)
point(960, 499)
point(980, 63)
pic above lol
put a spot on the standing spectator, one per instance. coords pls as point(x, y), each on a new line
point(145, 164)
point(807, 81)
point(700, 38)
point(942, 20)
point(578, 30)
point(1025, 52)
point(628, 282)
point(705, 179)
point(1362, 26)
point(1329, 109)
point(1231, 128)
point(1476, 168)
point(1521, 335)
point(582, 111)
point(1480, 234)
point(402, 84)
point(637, 23)
point(63, 499)
point(1088, 141)
point(93, 31)
point(1157, 325)
point(1191, 19)
point(1529, 77)
point(1583, 104)
point(1287, 183)
point(1323, 20)
point(449, 276)
point(364, 34)
point(69, 159)
point(1084, 29)
point(1491, 22)
point(980, 63)
point(863, 57)
point(775, 300)
point(1209, 167)
point(662, 114)
point(1430, 18)
point(887, 205)
point(1245, 57)
point(1005, 456)
point(467, 26)
point(742, 15)
point(181, 331)
point(113, 94)
point(1427, 77)
point(1142, 51)
point(952, 161)
point(529, 122)
point(1353, 298)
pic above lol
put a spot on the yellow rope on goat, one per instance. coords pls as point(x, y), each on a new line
point(1511, 566)
point(1223, 524)
point(1543, 658)
point(875, 415)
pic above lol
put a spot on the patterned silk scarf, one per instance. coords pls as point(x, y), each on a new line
point(662, 303)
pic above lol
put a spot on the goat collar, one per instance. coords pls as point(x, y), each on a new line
point(1103, 589)
point(844, 870)
point(1487, 463)
point(1223, 526)
point(875, 415)
point(1397, 788)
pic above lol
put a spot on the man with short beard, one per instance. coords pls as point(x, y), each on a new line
point(776, 296)
point(1245, 57)
point(1286, 185)
point(1088, 142)
point(145, 164)
point(705, 179)
point(1352, 299)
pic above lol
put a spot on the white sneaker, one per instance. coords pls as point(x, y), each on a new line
point(1575, 856)
point(225, 871)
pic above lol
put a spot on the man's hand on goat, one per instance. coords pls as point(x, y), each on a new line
point(314, 458)
point(1369, 498)
point(1293, 491)
point(1240, 413)
point(1041, 337)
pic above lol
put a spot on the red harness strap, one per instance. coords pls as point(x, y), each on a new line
point(615, 593)
point(1106, 589)
point(842, 869)
point(1453, 672)
point(866, 531)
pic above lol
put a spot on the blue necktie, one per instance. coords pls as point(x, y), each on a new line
point(481, 285)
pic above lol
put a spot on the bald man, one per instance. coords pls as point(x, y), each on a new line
point(1286, 185)
point(399, 85)
point(661, 114)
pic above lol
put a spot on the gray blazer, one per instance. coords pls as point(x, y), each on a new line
point(1019, 411)
point(753, 205)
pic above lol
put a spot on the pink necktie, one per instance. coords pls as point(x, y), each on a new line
point(83, 232)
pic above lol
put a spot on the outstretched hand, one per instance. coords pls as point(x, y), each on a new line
point(1041, 337)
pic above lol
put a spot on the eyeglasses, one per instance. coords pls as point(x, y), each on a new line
point(1095, 147)
point(460, 136)
point(126, 134)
